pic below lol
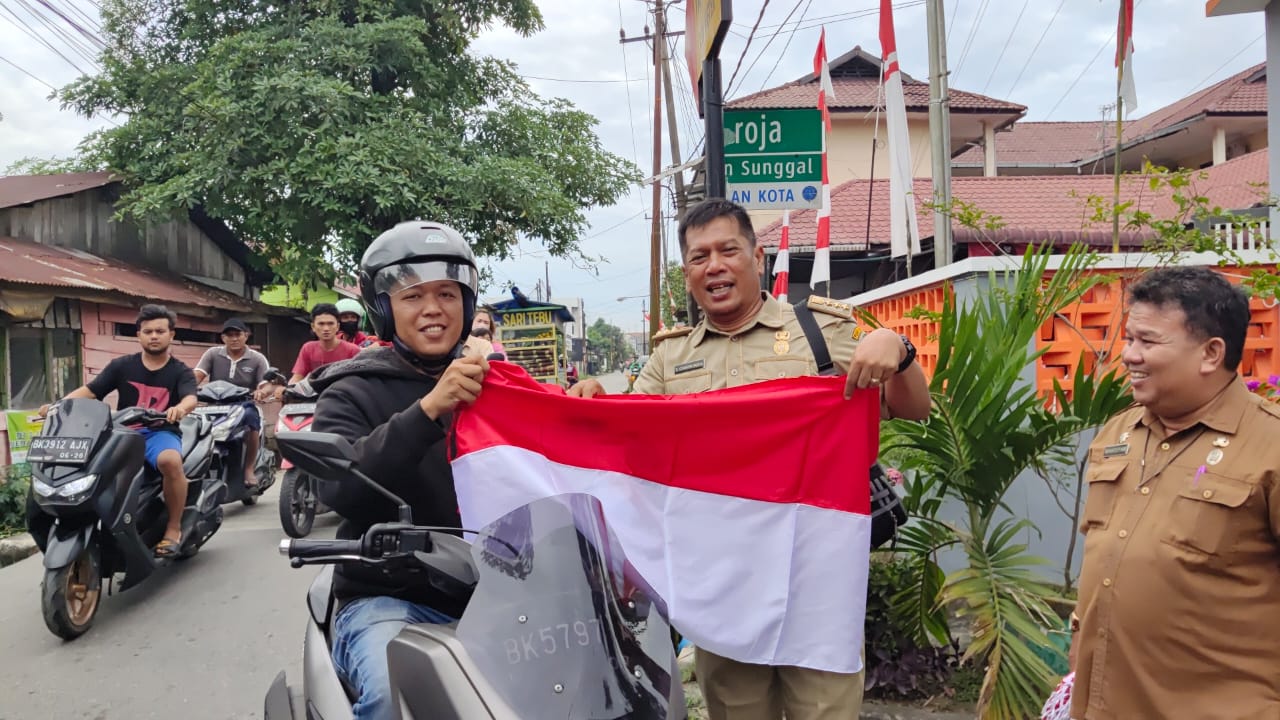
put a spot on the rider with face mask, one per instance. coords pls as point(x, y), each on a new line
point(394, 404)
point(350, 318)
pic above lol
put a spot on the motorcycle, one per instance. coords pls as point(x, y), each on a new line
point(557, 626)
point(299, 492)
point(223, 403)
point(101, 509)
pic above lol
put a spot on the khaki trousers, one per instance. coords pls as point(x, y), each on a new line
point(740, 691)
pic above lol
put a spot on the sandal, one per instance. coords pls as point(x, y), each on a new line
point(167, 548)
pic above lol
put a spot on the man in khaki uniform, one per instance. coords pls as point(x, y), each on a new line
point(1179, 609)
point(746, 336)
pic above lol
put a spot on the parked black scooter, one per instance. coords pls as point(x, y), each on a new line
point(223, 405)
point(558, 626)
point(101, 508)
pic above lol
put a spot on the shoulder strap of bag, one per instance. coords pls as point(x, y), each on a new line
point(817, 343)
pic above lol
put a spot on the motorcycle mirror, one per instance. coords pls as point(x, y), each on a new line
point(331, 458)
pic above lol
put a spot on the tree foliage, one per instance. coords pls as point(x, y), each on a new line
point(310, 127)
point(607, 344)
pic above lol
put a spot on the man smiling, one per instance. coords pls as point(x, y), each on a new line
point(1180, 587)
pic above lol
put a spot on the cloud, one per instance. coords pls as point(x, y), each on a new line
point(1177, 47)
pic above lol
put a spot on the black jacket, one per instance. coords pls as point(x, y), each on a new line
point(372, 400)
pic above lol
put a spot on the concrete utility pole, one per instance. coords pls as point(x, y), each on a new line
point(673, 134)
point(655, 238)
point(939, 133)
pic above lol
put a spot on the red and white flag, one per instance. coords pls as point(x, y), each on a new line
point(904, 228)
point(822, 247)
point(782, 263)
point(757, 534)
point(1124, 57)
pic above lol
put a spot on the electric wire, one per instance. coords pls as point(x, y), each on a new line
point(1003, 50)
point(1027, 63)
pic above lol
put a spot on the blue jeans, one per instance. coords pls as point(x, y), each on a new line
point(361, 632)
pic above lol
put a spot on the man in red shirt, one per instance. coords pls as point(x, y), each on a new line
point(329, 348)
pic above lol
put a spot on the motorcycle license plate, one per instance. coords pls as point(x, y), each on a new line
point(298, 409)
point(59, 450)
point(214, 409)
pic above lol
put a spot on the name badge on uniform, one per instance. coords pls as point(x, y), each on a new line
point(1115, 450)
point(691, 365)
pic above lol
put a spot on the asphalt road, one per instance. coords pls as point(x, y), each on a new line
point(614, 382)
point(198, 640)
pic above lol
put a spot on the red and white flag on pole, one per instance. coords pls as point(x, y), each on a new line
point(756, 534)
point(826, 93)
point(782, 263)
point(904, 229)
point(1124, 57)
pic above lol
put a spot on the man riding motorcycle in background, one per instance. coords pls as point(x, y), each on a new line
point(350, 319)
point(239, 364)
point(419, 281)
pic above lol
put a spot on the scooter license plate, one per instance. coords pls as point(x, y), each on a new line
point(298, 409)
point(214, 409)
point(59, 450)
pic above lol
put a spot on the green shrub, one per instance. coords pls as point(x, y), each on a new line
point(13, 498)
point(898, 667)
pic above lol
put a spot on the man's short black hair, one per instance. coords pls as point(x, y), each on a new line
point(324, 309)
point(1213, 306)
point(156, 312)
point(710, 210)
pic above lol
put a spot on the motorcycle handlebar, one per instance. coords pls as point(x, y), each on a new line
point(319, 548)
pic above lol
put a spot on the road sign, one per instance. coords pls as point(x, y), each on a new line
point(773, 158)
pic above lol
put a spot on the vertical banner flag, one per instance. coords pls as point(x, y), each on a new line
point(1124, 57)
point(826, 93)
point(756, 534)
point(904, 229)
point(782, 263)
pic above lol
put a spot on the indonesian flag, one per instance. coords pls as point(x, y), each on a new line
point(782, 263)
point(822, 248)
point(904, 229)
point(1124, 57)
point(757, 534)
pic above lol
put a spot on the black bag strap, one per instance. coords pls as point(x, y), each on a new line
point(817, 343)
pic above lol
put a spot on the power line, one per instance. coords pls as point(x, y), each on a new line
point(1228, 62)
point(1034, 48)
point(573, 80)
point(1007, 41)
point(28, 73)
point(76, 44)
point(788, 43)
point(78, 28)
point(728, 88)
point(1096, 55)
point(973, 33)
point(17, 21)
point(631, 117)
point(955, 20)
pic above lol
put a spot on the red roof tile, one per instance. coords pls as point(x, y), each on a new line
point(855, 77)
point(1032, 208)
point(1042, 143)
point(33, 264)
point(1068, 143)
point(25, 189)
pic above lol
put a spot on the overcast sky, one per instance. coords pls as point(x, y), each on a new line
point(1064, 73)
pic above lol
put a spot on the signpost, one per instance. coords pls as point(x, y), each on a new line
point(773, 158)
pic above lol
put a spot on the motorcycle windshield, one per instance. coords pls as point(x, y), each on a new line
point(561, 625)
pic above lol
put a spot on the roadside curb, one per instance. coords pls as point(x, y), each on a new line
point(18, 547)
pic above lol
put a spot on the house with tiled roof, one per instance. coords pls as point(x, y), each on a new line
point(857, 117)
point(73, 275)
point(1225, 120)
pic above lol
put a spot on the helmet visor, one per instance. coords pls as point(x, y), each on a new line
point(395, 279)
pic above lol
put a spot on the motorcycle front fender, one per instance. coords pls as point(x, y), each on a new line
point(66, 545)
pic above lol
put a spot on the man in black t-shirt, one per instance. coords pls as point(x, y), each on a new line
point(156, 380)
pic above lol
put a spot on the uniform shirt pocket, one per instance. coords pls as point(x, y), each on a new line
point(781, 366)
point(1100, 477)
point(1204, 517)
point(687, 383)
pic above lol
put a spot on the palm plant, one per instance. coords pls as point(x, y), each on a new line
point(988, 426)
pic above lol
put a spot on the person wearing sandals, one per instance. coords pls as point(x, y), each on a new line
point(156, 380)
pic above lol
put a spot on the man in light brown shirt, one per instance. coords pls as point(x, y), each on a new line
point(746, 336)
point(1179, 612)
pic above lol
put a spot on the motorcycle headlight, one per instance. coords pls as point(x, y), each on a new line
point(75, 488)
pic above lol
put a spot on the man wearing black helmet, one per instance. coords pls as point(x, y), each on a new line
point(419, 282)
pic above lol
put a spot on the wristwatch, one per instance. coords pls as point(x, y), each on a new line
point(911, 354)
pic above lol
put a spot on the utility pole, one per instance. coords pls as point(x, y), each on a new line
point(939, 133)
point(655, 238)
point(673, 133)
point(546, 269)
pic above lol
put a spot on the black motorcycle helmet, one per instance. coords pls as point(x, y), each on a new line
point(409, 254)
